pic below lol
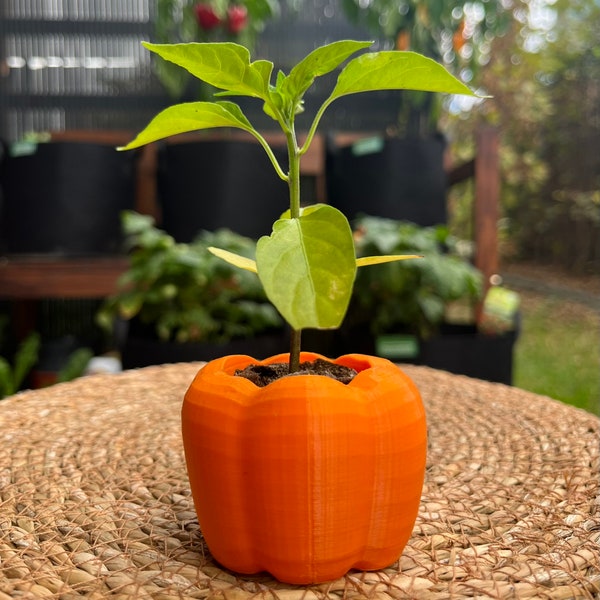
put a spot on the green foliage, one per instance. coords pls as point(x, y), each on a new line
point(545, 107)
point(76, 365)
point(12, 376)
point(184, 292)
point(456, 33)
point(413, 294)
point(176, 21)
point(26, 357)
point(288, 262)
point(564, 220)
point(227, 66)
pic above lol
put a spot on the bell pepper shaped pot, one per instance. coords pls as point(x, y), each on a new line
point(306, 478)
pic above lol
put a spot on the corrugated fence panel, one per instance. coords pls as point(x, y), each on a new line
point(71, 64)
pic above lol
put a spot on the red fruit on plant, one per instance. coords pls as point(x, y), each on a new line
point(458, 39)
point(206, 16)
point(237, 18)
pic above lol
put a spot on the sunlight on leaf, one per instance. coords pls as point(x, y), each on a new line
point(236, 260)
point(307, 267)
point(223, 64)
point(391, 70)
point(191, 116)
point(366, 261)
point(320, 62)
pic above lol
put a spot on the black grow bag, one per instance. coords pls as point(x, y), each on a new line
point(394, 178)
point(467, 352)
point(459, 349)
point(65, 198)
point(142, 352)
point(211, 184)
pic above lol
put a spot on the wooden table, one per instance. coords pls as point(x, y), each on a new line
point(94, 498)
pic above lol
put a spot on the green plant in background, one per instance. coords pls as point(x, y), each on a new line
point(184, 292)
point(12, 376)
point(203, 21)
point(550, 168)
point(414, 295)
point(307, 266)
point(456, 33)
point(75, 366)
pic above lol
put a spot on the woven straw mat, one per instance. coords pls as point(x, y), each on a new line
point(95, 501)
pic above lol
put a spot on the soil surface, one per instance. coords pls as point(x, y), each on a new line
point(262, 375)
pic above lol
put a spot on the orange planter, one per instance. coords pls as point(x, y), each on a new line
point(305, 478)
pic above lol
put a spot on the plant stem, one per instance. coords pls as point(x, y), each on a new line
point(314, 125)
point(294, 187)
point(293, 174)
point(280, 173)
point(295, 350)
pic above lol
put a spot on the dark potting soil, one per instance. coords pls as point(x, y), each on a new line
point(262, 375)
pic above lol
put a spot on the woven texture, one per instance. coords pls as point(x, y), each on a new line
point(95, 503)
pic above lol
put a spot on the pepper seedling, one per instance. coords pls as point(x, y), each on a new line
point(308, 264)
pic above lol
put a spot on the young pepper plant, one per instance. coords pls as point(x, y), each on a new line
point(307, 265)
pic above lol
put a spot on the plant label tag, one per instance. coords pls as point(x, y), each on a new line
point(23, 148)
point(397, 346)
point(500, 309)
point(371, 145)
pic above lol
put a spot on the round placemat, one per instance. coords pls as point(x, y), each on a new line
point(95, 501)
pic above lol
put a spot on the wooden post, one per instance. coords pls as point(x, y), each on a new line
point(487, 203)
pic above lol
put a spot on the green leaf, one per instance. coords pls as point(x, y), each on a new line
point(130, 305)
point(7, 384)
point(236, 260)
point(225, 65)
point(134, 223)
point(393, 70)
point(25, 358)
point(191, 116)
point(307, 267)
point(76, 365)
point(319, 62)
point(377, 260)
point(433, 308)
